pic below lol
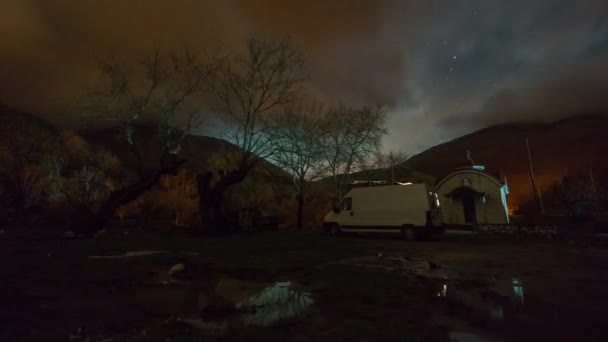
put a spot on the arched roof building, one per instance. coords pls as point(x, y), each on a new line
point(469, 196)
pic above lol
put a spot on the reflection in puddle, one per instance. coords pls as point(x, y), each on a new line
point(272, 304)
point(277, 302)
point(518, 289)
point(496, 299)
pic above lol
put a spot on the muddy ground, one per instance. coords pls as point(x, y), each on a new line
point(302, 286)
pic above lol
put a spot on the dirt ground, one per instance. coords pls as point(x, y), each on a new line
point(302, 286)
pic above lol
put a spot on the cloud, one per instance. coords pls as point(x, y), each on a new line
point(443, 67)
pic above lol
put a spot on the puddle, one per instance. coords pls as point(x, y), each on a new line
point(467, 301)
point(417, 267)
point(469, 337)
point(137, 254)
point(275, 303)
point(227, 305)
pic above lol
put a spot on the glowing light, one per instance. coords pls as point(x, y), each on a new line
point(518, 289)
point(443, 292)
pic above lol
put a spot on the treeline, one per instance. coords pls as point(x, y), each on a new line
point(291, 149)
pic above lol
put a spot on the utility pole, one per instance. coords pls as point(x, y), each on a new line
point(535, 191)
point(391, 158)
point(469, 158)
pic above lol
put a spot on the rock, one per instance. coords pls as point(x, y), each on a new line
point(69, 235)
point(177, 270)
point(101, 232)
point(433, 265)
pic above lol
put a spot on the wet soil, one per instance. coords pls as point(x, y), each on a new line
point(299, 286)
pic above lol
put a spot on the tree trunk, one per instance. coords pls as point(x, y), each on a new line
point(92, 223)
point(211, 196)
point(300, 217)
point(208, 201)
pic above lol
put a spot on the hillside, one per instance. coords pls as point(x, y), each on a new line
point(20, 126)
point(577, 144)
point(195, 149)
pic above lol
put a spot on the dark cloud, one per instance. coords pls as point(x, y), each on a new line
point(443, 67)
point(580, 90)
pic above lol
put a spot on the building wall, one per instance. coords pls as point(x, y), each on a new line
point(493, 211)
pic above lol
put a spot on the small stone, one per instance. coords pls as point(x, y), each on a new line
point(177, 270)
point(101, 232)
point(433, 265)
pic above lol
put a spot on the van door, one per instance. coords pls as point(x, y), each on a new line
point(347, 215)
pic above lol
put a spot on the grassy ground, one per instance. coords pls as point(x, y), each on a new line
point(363, 288)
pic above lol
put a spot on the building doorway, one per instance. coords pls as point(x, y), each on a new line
point(468, 203)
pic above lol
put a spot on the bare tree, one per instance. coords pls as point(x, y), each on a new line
point(157, 90)
point(250, 88)
point(23, 144)
point(81, 174)
point(298, 136)
point(355, 135)
point(394, 161)
point(575, 195)
point(381, 167)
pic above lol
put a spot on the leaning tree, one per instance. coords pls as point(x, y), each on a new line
point(159, 91)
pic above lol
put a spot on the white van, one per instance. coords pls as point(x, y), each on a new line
point(408, 209)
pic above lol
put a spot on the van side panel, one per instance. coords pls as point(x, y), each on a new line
point(389, 206)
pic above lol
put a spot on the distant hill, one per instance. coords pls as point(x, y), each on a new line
point(576, 144)
point(195, 149)
point(17, 125)
point(15, 122)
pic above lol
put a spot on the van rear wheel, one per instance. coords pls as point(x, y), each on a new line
point(408, 233)
point(334, 230)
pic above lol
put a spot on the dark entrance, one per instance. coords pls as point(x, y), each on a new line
point(468, 203)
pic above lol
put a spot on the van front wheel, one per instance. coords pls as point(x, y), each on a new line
point(408, 233)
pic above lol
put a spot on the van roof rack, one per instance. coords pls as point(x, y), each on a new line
point(362, 184)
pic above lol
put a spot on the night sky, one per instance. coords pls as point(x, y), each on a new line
point(443, 68)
